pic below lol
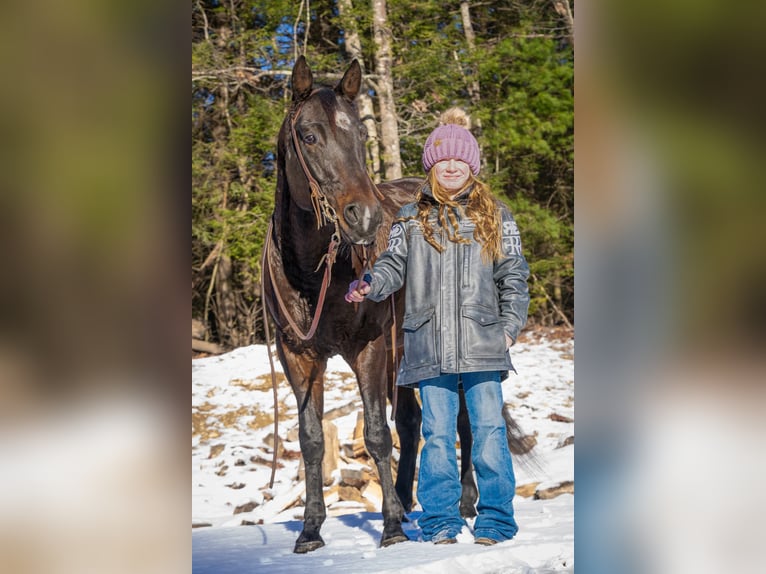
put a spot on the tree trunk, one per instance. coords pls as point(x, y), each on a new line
point(474, 89)
point(389, 127)
point(364, 101)
point(565, 11)
point(226, 304)
point(470, 38)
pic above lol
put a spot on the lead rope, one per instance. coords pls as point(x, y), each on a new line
point(273, 389)
point(271, 361)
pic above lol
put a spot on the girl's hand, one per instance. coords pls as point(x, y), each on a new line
point(356, 291)
point(508, 342)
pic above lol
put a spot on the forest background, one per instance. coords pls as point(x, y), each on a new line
point(509, 63)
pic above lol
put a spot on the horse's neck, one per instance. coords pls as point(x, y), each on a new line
point(302, 245)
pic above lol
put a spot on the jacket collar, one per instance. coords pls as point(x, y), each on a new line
point(462, 199)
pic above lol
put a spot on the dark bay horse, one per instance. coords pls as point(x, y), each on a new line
point(326, 216)
point(328, 219)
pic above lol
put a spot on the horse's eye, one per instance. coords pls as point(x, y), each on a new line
point(310, 139)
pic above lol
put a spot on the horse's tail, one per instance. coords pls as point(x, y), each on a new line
point(521, 445)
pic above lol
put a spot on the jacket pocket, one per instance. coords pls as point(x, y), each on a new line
point(482, 333)
point(419, 338)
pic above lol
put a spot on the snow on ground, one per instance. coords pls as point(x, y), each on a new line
point(232, 426)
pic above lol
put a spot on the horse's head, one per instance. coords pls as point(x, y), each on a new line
point(322, 139)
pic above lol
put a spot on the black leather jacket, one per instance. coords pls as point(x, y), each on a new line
point(457, 307)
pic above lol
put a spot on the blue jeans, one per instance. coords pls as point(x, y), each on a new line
point(439, 486)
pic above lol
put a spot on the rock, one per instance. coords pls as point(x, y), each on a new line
point(356, 477)
point(216, 449)
point(331, 448)
point(268, 440)
point(356, 449)
point(560, 418)
point(201, 524)
point(247, 507)
point(340, 411)
point(566, 442)
point(395, 440)
point(359, 428)
point(331, 494)
point(291, 454)
point(350, 493)
point(331, 455)
point(373, 492)
point(198, 329)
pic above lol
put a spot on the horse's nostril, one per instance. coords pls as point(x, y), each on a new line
point(352, 214)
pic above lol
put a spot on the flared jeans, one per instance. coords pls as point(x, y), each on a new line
point(439, 487)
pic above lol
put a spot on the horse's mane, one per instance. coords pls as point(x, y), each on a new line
point(395, 196)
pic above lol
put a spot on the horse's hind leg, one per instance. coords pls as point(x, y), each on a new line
point(306, 378)
point(470, 493)
point(370, 369)
point(408, 417)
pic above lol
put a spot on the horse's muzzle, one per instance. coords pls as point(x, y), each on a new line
point(362, 222)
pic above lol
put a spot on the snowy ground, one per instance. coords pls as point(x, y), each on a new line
point(243, 526)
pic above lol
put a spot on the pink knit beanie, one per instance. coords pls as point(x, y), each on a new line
point(451, 140)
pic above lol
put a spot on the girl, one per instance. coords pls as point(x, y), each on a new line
point(459, 251)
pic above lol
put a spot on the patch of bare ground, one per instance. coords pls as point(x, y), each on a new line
point(559, 334)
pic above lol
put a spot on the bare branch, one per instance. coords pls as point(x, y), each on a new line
point(251, 73)
point(204, 19)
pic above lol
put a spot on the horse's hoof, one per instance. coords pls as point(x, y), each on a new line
point(393, 539)
point(305, 546)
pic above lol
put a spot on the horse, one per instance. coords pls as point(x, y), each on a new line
point(329, 223)
point(327, 215)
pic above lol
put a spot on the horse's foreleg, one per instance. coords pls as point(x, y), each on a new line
point(408, 417)
point(470, 493)
point(306, 378)
point(370, 369)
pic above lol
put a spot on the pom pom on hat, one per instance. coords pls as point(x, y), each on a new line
point(452, 140)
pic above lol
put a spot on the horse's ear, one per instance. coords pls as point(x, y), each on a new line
point(351, 82)
point(302, 79)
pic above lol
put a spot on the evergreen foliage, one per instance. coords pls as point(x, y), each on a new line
point(242, 55)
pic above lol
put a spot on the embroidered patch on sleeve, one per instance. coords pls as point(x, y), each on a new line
point(511, 238)
point(395, 237)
